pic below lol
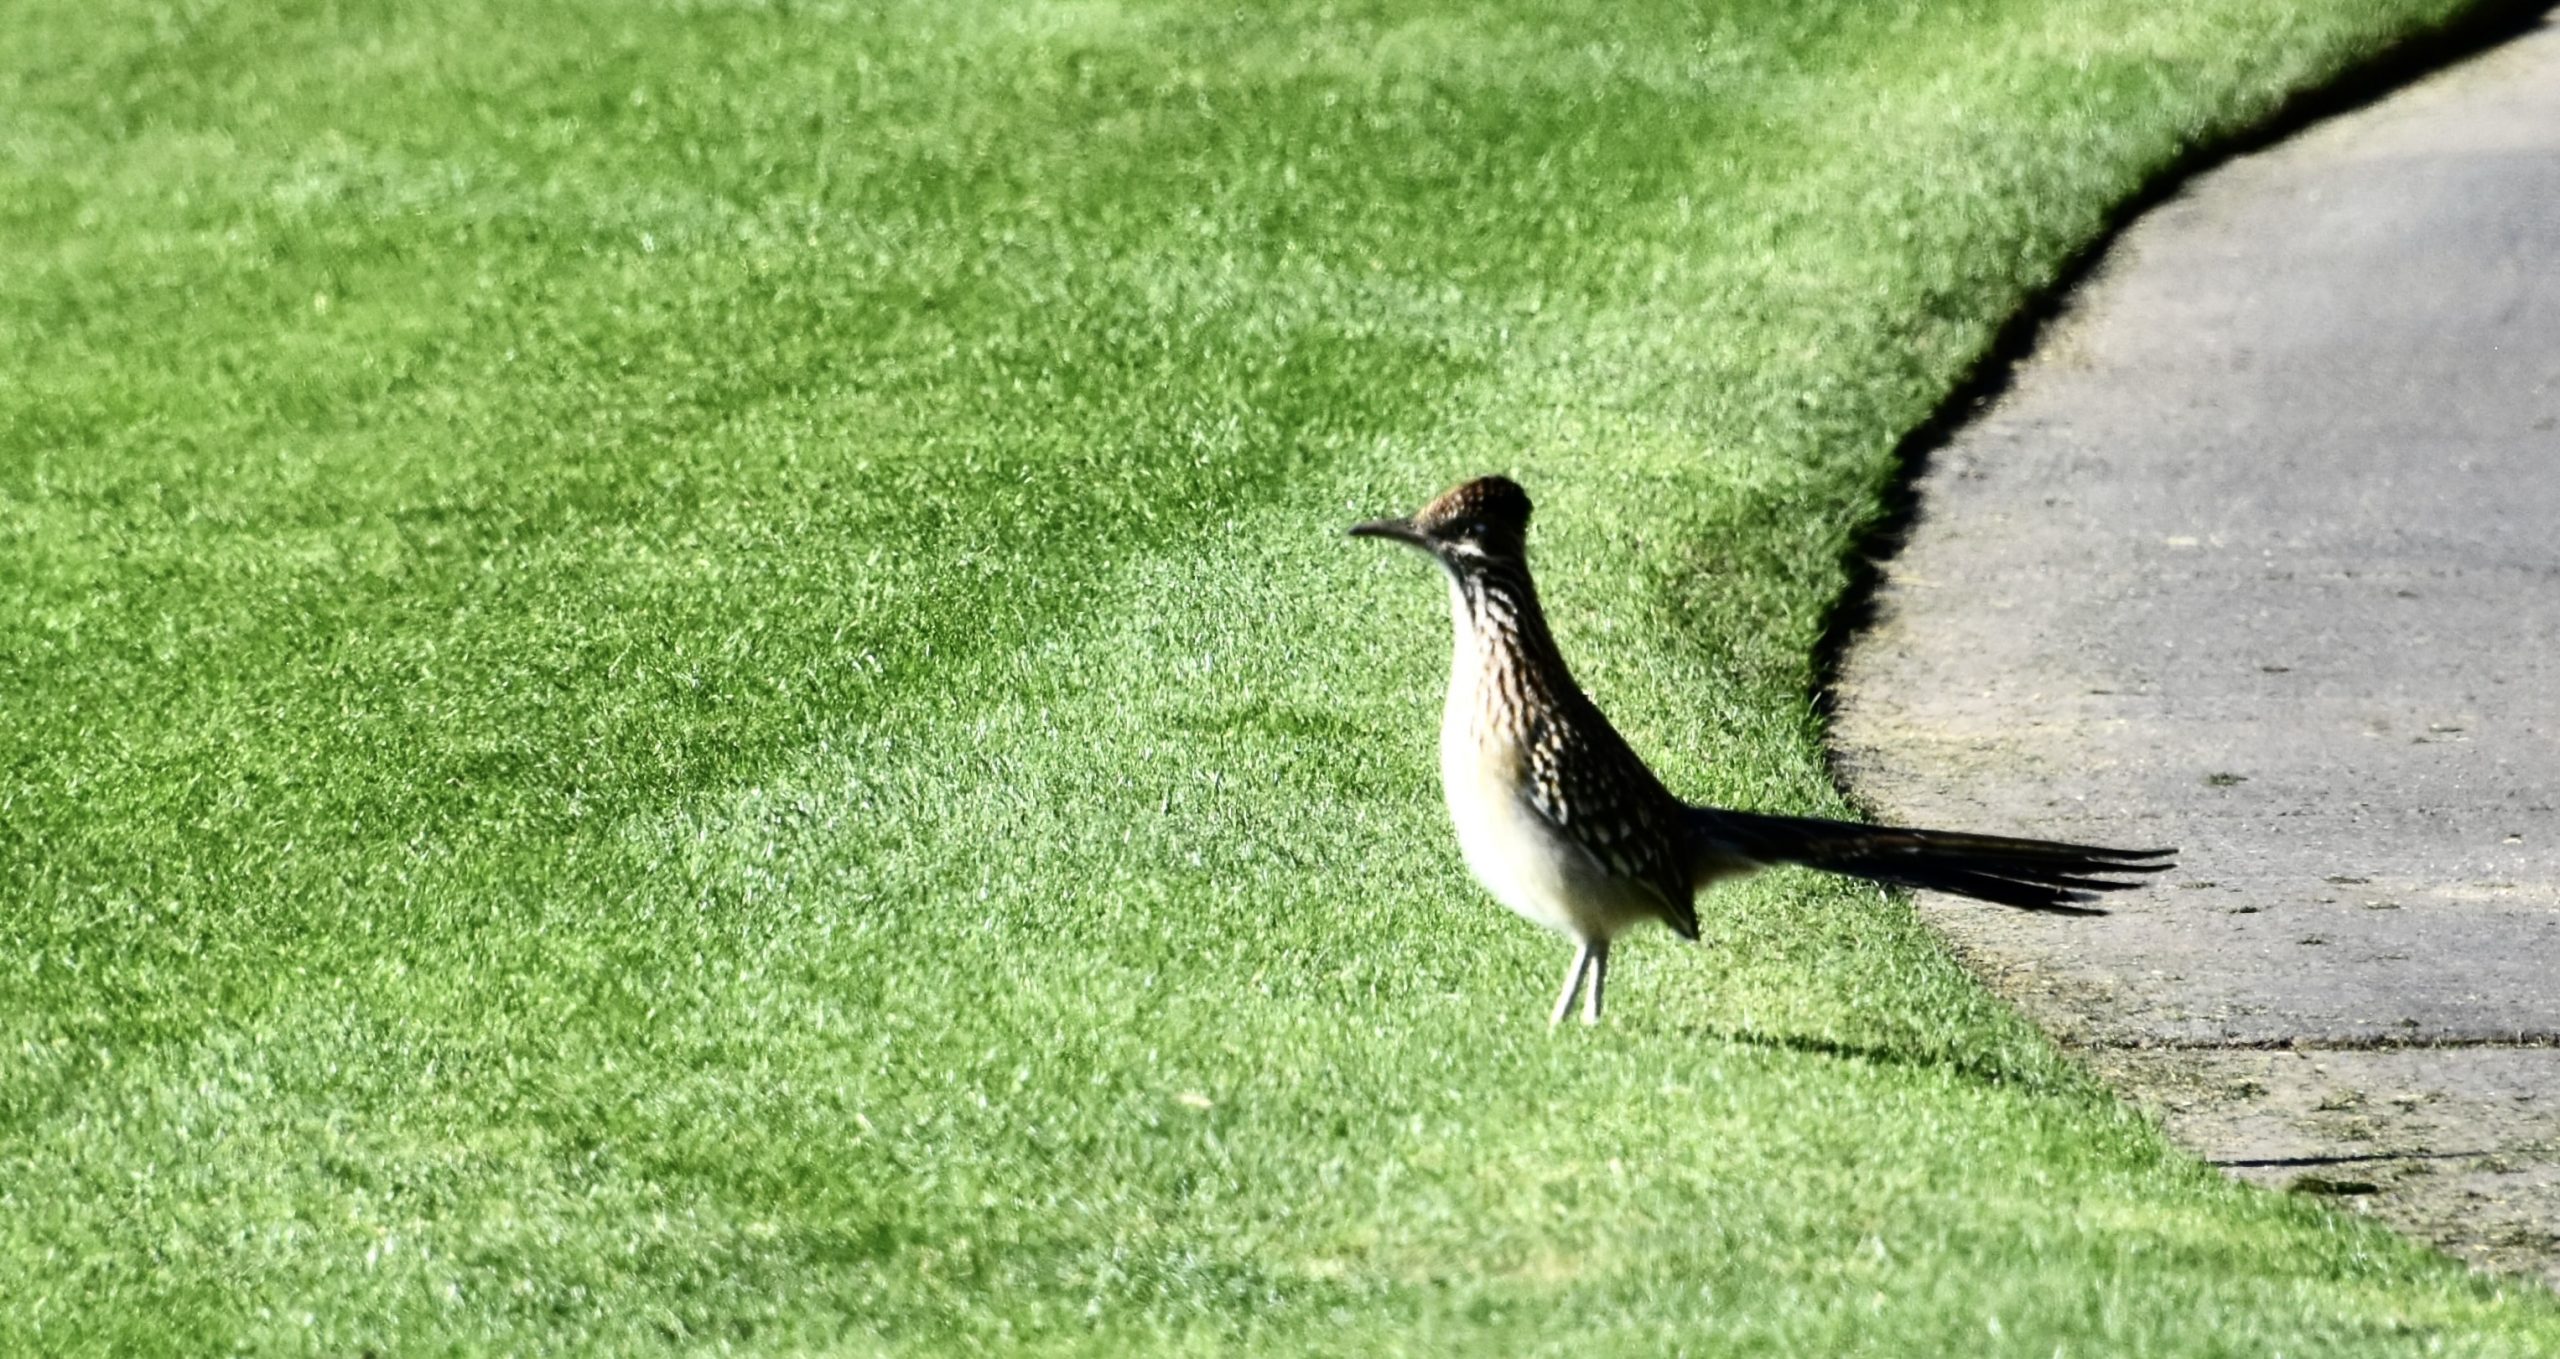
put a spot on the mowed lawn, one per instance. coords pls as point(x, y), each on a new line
point(681, 678)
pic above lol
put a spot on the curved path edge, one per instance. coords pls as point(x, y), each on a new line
point(2257, 552)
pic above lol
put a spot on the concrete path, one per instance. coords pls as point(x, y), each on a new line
point(2260, 556)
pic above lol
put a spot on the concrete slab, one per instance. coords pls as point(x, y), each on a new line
point(2259, 555)
point(2459, 1147)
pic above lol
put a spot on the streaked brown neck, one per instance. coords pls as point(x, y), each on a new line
point(1506, 666)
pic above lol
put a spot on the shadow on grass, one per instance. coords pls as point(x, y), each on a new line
point(1978, 1068)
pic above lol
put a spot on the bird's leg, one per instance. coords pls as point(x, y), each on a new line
point(1599, 980)
point(1572, 983)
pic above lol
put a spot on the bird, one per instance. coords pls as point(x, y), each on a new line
point(1561, 822)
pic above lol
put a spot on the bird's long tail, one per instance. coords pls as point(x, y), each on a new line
point(2034, 875)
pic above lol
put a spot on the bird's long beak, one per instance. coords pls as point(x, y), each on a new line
point(1400, 530)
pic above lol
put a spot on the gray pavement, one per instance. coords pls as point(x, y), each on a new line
point(2259, 555)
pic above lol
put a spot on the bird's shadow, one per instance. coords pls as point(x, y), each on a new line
point(1976, 1068)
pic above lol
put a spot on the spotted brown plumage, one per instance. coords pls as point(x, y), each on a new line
point(1559, 820)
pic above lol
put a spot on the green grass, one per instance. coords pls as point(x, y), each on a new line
point(681, 678)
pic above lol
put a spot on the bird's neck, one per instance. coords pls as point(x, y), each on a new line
point(1505, 661)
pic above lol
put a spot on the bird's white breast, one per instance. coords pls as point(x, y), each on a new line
point(1518, 857)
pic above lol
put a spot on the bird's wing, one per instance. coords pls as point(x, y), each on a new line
point(1585, 782)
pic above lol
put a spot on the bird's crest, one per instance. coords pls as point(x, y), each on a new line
point(1496, 502)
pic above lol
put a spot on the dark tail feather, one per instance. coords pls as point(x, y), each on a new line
point(2034, 875)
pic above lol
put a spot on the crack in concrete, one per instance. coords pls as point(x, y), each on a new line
point(2520, 1042)
point(2314, 1162)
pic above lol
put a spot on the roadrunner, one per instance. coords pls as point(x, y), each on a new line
point(1563, 824)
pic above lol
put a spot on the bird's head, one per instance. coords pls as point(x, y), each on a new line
point(1471, 525)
